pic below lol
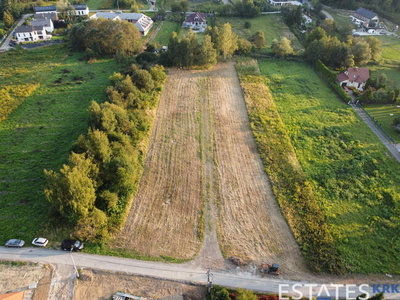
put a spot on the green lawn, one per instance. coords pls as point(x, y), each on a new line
point(385, 115)
point(165, 32)
point(94, 4)
point(356, 181)
point(272, 26)
point(39, 133)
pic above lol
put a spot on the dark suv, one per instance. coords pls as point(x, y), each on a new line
point(71, 245)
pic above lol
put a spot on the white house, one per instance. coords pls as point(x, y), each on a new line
point(364, 17)
point(31, 33)
point(47, 24)
point(284, 2)
point(142, 22)
point(355, 77)
point(81, 10)
point(195, 21)
point(51, 9)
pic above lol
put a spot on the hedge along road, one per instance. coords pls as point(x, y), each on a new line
point(189, 274)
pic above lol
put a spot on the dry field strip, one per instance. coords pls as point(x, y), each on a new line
point(202, 152)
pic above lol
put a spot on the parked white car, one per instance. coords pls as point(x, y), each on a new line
point(40, 242)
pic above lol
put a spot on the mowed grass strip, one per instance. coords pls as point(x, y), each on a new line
point(39, 133)
point(355, 179)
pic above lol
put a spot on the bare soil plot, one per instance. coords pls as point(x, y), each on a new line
point(251, 225)
point(102, 285)
point(165, 218)
point(202, 151)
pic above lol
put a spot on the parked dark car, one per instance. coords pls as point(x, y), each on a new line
point(15, 243)
point(71, 245)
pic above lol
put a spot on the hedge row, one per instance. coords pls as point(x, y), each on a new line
point(95, 189)
point(292, 190)
point(330, 77)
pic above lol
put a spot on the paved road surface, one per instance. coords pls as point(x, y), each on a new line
point(182, 272)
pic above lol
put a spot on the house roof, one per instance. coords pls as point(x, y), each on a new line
point(354, 75)
point(142, 21)
point(12, 296)
point(24, 29)
point(365, 13)
point(195, 17)
point(80, 6)
point(51, 16)
point(45, 8)
point(41, 22)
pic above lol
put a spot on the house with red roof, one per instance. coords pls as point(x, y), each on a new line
point(354, 77)
point(196, 21)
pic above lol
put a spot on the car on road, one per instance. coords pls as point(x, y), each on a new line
point(71, 245)
point(346, 89)
point(40, 242)
point(15, 243)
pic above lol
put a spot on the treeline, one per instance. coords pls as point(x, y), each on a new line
point(219, 43)
point(379, 90)
point(336, 53)
point(95, 188)
point(292, 189)
point(101, 36)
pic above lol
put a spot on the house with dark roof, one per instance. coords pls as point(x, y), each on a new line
point(45, 9)
point(142, 22)
point(80, 10)
point(47, 24)
point(354, 77)
point(195, 21)
point(284, 2)
point(365, 17)
point(31, 33)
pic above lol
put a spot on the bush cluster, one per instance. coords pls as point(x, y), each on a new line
point(94, 190)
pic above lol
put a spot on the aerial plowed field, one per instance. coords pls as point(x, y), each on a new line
point(202, 151)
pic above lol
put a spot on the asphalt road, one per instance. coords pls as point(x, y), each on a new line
point(187, 273)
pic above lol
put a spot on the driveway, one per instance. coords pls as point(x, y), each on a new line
point(6, 43)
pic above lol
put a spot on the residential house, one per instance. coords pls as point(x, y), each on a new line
point(47, 24)
point(142, 22)
point(365, 17)
point(284, 2)
point(31, 33)
point(45, 9)
point(195, 21)
point(354, 77)
point(81, 10)
point(51, 16)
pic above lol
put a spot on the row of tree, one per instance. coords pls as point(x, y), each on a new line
point(354, 51)
point(102, 36)
point(219, 42)
point(93, 190)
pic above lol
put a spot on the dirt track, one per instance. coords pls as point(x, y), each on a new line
point(202, 155)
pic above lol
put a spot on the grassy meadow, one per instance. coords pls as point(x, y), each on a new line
point(39, 132)
point(271, 24)
point(165, 32)
point(356, 181)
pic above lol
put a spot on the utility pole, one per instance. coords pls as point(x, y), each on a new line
point(209, 280)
